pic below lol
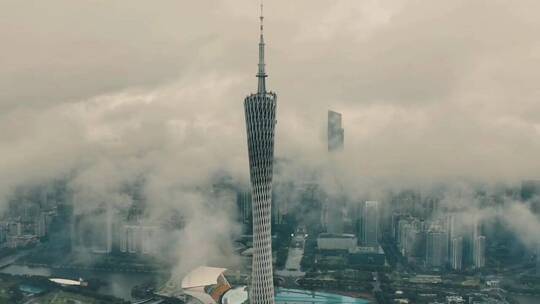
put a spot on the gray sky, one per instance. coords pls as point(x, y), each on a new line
point(428, 89)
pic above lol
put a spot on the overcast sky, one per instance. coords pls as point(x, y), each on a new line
point(428, 89)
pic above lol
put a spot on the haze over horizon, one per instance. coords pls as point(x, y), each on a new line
point(103, 94)
point(429, 90)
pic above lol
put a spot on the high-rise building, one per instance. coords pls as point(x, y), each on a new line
point(357, 211)
point(93, 231)
point(138, 239)
point(411, 241)
point(436, 248)
point(133, 238)
point(480, 252)
point(336, 216)
point(336, 136)
point(404, 237)
point(411, 237)
point(41, 224)
point(149, 234)
point(278, 210)
point(243, 201)
point(451, 231)
point(19, 228)
point(123, 239)
point(401, 225)
point(371, 224)
point(260, 111)
point(457, 253)
point(538, 259)
point(529, 189)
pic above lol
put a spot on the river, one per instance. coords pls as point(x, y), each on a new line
point(116, 284)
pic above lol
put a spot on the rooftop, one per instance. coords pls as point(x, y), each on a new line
point(336, 236)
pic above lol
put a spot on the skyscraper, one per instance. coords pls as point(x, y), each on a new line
point(245, 214)
point(538, 259)
point(450, 231)
point(260, 111)
point(480, 252)
point(436, 247)
point(336, 136)
point(457, 253)
point(371, 224)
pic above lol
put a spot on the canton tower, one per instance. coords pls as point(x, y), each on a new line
point(260, 111)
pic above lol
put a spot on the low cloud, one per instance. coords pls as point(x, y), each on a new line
point(104, 95)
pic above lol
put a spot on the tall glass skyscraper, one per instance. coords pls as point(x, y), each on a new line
point(260, 111)
point(336, 134)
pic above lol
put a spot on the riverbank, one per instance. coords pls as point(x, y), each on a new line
point(117, 284)
point(90, 268)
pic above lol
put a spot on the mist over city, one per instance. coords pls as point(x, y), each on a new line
point(235, 151)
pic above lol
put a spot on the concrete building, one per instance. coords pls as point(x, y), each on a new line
point(436, 248)
point(405, 232)
point(149, 235)
point(336, 134)
point(356, 211)
point(278, 211)
point(138, 239)
point(538, 259)
point(260, 113)
point(93, 231)
point(402, 223)
point(127, 239)
point(530, 189)
point(245, 216)
point(371, 224)
point(367, 256)
point(480, 252)
point(3, 233)
point(451, 229)
point(457, 253)
point(21, 241)
point(411, 241)
point(41, 224)
point(334, 241)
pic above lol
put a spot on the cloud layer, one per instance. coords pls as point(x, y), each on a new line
point(108, 92)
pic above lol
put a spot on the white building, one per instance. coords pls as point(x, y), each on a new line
point(206, 284)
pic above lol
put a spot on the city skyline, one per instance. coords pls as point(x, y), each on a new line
point(403, 168)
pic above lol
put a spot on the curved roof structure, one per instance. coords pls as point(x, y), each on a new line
point(202, 276)
point(238, 295)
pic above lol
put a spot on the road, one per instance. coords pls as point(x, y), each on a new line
point(292, 270)
point(376, 283)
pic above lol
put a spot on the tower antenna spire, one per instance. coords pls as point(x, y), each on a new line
point(261, 75)
point(262, 17)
